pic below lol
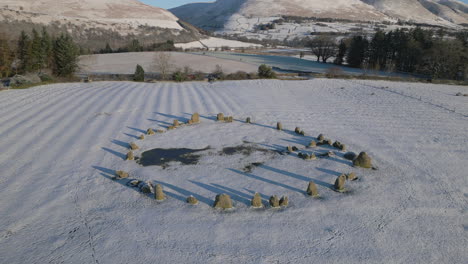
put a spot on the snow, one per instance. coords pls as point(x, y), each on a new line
point(212, 43)
point(61, 143)
point(125, 63)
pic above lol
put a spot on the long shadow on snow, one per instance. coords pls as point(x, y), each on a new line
point(217, 190)
point(130, 135)
point(108, 174)
point(255, 177)
point(137, 129)
point(184, 192)
point(118, 154)
point(180, 118)
point(297, 176)
point(121, 143)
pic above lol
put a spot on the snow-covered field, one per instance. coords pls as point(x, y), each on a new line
point(61, 144)
point(213, 43)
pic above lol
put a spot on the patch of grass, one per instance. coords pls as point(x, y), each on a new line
point(31, 85)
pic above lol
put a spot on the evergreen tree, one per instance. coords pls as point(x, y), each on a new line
point(24, 53)
point(342, 48)
point(108, 49)
point(357, 51)
point(65, 56)
point(46, 45)
point(6, 58)
point(266, 72)
point(378, 51)
point(139, 75)
point(37, 52)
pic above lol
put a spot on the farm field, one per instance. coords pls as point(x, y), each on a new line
point(61, 145)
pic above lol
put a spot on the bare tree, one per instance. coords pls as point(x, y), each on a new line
point(323, 47)
point(162, 64)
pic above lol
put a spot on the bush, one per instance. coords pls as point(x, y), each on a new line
point(218, 73)
point(240, 75)
point(266, 72)
point(139, 74)
point(334, 72)
point(179, 76)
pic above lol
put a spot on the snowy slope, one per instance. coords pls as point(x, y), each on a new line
point(231, 14)
point(61, 144)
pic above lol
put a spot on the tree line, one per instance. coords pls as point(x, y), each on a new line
point(38, 51)
point(415, 51)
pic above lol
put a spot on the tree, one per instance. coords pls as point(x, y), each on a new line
point(135, 46)
point(323, 47)
point(65, 56)
point(46, 44)
point(24, 53)
point(139, 75)
point(342, 48)
point(266, 72)
point(162, 64)
point(378, 49)
point(357, 51)
point(6, 58)
point(38, 56)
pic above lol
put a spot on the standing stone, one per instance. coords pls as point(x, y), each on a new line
point(248, 120)
point(150, 131)
point(340, 183)
point(284, 201)
point(290, 149)
point(142, 137)
point(257, 201)
point(328, 142)
point(160, 131)
point(351, 176)
point(297, 130)
point(190, 122)
point(171, 127)
point(159, 193)
point(321, 137)
point(121, 174)
point(274, 201)
point(175, 123)
point(279, 126)
point(220, 117)
point(223, 201)
point(130, 156)
point(133, 146)
point(192, 200)
point(312, 144)
point(363, 161)
point(312, 189)
point(294, 148)
point(302, 133)
point(195, 118)
point(145, 188)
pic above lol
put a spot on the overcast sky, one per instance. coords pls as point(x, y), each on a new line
point(173, 3)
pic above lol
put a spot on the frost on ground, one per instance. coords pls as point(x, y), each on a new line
point(62, 143)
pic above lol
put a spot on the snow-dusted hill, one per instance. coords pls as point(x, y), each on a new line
point(232, 14)
point(62, 143)
point(95, 22)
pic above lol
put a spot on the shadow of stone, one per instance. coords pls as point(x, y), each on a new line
point(217, 190)
point(137, 129)
point(132, 136)
point(297, 176)
point(185, 193)
point(180, 118)
point(327, 171)
point(160, 122)
point(118, 154)
point(108, 174)
point(121, 143)
point(252, 176)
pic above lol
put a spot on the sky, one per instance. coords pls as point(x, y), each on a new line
point(174, 3)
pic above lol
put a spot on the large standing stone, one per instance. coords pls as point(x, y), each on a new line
point(312, 189)
point(284, 201)
point(159, 193)
point(130, 156)
point(150, 131)
point(195, 118)
point(220, 117)
point(279, 126)
point(257, 201)
point(133, 146)
point(351, 176)
point(340, 183)
point(248, 120)
point(192, 200)
point(363, 161)
point(223, 201)
point(274, 201)
point(321, 137)
point(121, 174)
